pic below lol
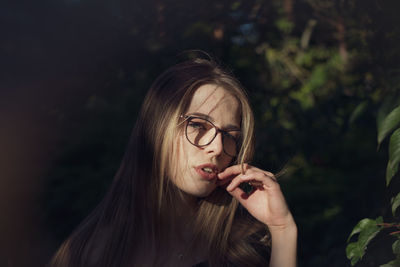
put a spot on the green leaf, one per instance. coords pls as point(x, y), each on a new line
point(367, 230)
point(394, 156)
point(364, 224)
point(390, 172)
point(388, 124)
point(395, 203)
point(353, 252)
point(358, 111)
point(396, 248)
point(235, 5)
point(395, 263)
point(384, 110)
point(389, 103)
point(286, 26)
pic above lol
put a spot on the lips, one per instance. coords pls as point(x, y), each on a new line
point(207, 171)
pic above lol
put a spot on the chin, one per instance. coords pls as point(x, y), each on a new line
point(204, 192)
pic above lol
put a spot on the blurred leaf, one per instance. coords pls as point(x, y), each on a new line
point(367, 230)
point(358, 111)
point(304, 59)
point(396, 247)
point(390, 122)
point(329, 213)
point(395, 203)
point(305, 38)
point(199, 27)
point(318, 77)
point(235, 5)
point(284, 25)
point(394, 156)
point(386, 107)
point(395, 263)
point(304, 97)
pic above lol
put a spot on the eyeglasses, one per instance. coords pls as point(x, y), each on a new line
point(201, 132)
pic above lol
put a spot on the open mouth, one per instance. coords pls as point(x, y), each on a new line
point(207, 169)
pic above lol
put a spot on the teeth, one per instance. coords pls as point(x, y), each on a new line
point(207, 169)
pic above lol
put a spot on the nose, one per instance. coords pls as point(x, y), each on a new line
point(216, 147)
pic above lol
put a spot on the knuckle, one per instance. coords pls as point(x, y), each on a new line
point(269, 174)
point(252, 172)
point(243, 168)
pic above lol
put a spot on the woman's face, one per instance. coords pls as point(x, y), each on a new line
point(195, 168)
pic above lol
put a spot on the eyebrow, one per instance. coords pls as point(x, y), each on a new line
point(207, 117)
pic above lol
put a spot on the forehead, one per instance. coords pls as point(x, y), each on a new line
point(216, 102)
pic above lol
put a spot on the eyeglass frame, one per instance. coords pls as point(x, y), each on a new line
point(218, 130)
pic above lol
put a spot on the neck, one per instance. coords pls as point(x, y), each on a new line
point(177, 237)
point(182, 212)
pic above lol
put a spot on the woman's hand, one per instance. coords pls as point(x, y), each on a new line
point(266, 202)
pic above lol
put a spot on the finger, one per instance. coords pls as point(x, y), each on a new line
point(223, 182)
point(270, 180)
point(239, 194)
point(245, 178)
point(267, 173)
point(256, 183)
point(254, 178)
point(270, 175)
point(242, 169)
point(233, 170)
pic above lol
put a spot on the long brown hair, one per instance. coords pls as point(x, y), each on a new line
point(139, 200)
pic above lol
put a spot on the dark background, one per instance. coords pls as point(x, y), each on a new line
point(73, 74)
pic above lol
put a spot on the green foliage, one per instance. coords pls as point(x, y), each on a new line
point(358, 111)
point(396, 251)
point(396, 247)
point(394, 263)
point(367, 230)
point(394, 155)
point(199, 27)
point(388, 124)
point(395, 203)
point(284, 25)
point(308, 72)
point(314, 96)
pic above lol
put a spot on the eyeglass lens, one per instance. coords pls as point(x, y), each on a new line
point(201, 132)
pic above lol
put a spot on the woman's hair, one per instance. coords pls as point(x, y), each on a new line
point(139, 203)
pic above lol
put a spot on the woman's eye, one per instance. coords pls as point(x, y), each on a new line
point(234, 135)
point(196, 125)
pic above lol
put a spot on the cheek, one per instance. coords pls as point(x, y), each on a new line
point(177, 159)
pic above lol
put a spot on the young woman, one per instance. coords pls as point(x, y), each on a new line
point(185, 194)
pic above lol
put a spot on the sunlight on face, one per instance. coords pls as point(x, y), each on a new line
point(195, 168)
